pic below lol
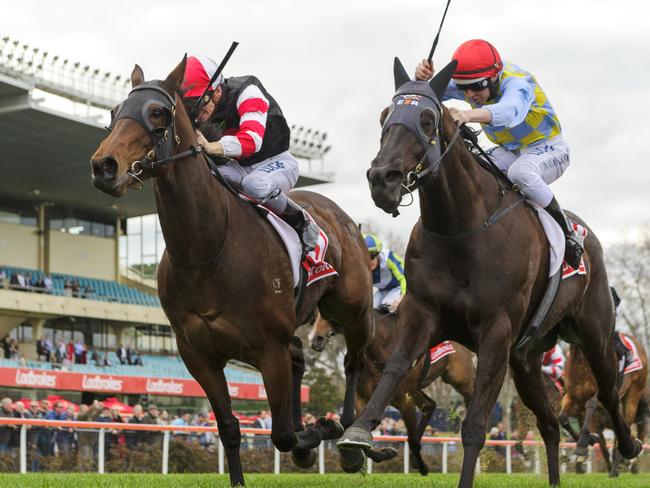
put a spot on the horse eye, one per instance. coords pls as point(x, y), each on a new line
point(157, 112)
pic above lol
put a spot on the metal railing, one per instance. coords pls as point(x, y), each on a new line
point(166, 430)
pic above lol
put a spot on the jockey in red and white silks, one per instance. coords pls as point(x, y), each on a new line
point(553, 363)
point(255, 138)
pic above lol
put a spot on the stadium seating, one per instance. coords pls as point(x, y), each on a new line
point(102, 290)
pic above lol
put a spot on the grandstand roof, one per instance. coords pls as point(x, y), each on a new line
point(45, 154)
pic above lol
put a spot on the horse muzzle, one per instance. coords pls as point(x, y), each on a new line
point(385, 187)
point(318, 343)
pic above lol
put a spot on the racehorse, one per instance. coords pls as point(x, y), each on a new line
point(477, 265)
point(225, 281)
point(580, 402)
point(457, 370)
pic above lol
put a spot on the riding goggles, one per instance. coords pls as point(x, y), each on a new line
point(474, 86)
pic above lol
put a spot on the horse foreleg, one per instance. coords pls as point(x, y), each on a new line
point(532, 391)
point(584, 437)
point(276, 368)
point(415, 333)
point(491, 369)
point(297, 372)
point(213, 381)
point(416, 429)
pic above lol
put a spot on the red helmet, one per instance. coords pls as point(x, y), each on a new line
point(198, 71)
point(476, 59)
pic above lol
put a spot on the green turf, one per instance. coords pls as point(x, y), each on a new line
point(309, 480)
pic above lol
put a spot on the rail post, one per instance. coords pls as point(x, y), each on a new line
point(23, 449)
point(321, 458)
point(407, 457)
point(276, 461)
point(445, 453)
point(538, 467)
point(100, 451)
point(509, 459)
point(165, 453)
point(220, 456)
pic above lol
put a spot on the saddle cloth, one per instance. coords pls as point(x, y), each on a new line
point(314, 262)
point(636, 363)
point(556, 243)
point(438, 352)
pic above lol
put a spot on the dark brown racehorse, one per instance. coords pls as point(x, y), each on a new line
point(580, 401)
point(457, 370)
point(477, 265)
point(225, 281)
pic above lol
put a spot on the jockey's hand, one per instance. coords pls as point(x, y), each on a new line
point(424, 71)
point(213, 148)
point(460, 116)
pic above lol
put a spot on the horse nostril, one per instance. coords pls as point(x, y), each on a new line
point(105, 167)
point(394, 177)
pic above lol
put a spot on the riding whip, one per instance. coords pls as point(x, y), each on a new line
point(201, 100)
point(435, 41)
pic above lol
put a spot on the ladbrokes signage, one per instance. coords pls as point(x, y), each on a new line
point(61, 380)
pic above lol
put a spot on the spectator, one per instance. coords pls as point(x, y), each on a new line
point(152, 417)
point(78, 352)
point(136, 359)
point(44, 348)
point(29, 282)
point(60, 353)
point(47, 284)
point(129, 354)
point(206, 439)
point(67, 288)
point(134, 437)
point(62, 436)
point(22, 361)
point(121, 354)
point(43, 438)
point(17, 282)
point(87, 439)
point(13, 348)
point(182, 420)
point(6, 410)
point(6, 346)
point(69, 352)
point(3, 278)
point(498, 434)
point(76, 292)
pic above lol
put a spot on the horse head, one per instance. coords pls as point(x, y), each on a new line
point(142, 133)
point(410, 136)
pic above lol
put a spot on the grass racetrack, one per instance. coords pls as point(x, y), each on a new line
point(73, 480)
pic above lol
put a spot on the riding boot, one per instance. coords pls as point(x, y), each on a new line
point(307, 230)
point(573, 249)
point(621, 350)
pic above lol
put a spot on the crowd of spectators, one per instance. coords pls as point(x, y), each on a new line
point(59, 440)
point(76, 352)
point(25, 282)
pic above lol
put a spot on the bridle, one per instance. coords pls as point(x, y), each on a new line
point(164, 138)
point(165, 141)
point(410, 101)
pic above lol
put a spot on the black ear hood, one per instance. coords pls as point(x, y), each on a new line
point(400, 74)
point(440, 82)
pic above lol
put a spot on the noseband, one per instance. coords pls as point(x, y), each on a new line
point(164, 138)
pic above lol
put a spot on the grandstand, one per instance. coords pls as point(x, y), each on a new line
point(77, 265)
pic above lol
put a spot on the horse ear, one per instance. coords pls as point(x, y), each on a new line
point(137, 76)
point(174, 81)
point(440, 82)
point(400, 74)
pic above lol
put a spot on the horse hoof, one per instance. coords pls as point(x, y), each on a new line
point(634, 468)
point(303, 458)
point(580, 469)
point(329, 429)
point(637, 447)
point(419, 466)
point(308, 439)
point(352, 459)
point(381, 455)
point(355, 437)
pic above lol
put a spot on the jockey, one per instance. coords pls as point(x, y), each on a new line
point(517, 116)
point(387, 274)
point(256, 141)
point(553, 363)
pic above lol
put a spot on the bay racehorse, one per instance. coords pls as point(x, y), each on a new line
point(477, 265)
point(225, 281)
point(456, 370)
point(580, 401)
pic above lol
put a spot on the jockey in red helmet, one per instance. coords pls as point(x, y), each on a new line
point(516, 115)
point(255, 138)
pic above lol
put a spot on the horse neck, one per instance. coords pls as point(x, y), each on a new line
point(462, 195)
point(192, 206)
